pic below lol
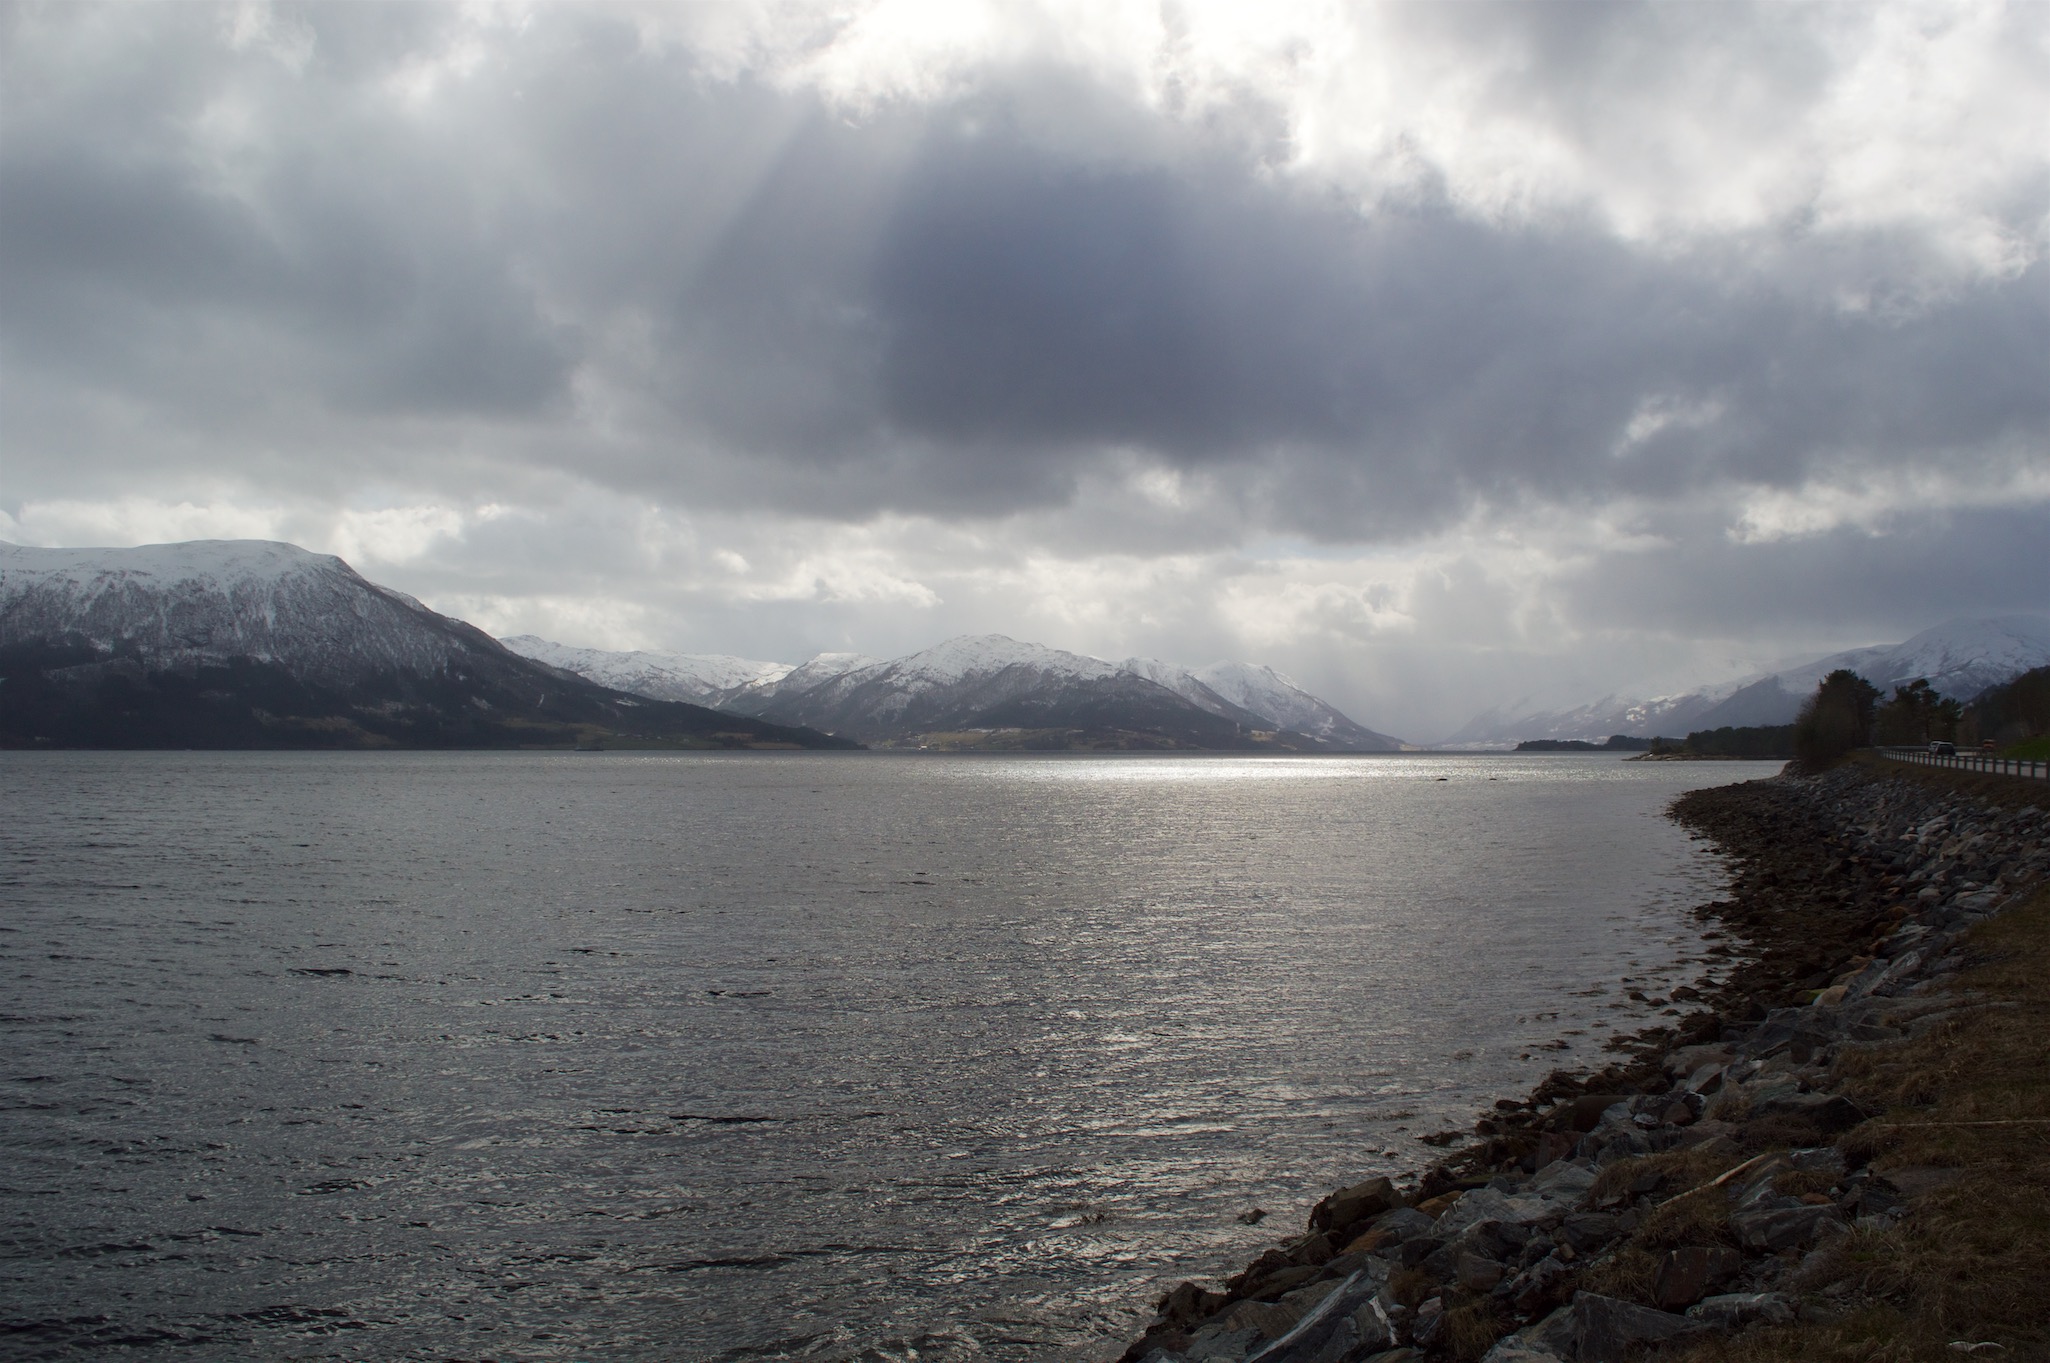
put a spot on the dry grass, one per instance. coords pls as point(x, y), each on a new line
point(1409, 1286)
point(1473, 1323)
point(1971, 1263)
point(1675, 1171)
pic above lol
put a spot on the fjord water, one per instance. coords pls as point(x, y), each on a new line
point(612, 1056)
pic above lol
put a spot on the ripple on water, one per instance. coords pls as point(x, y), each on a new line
point(849, 1056)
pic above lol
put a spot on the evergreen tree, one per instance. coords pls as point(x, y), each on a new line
point(1836, 719)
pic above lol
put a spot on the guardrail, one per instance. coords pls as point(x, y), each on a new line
point(1972, 761)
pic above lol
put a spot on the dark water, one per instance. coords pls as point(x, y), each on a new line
point(723, 1057)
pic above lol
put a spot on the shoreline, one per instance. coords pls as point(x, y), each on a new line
point(1683, 1194)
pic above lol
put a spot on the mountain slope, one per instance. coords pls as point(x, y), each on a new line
point(244, 643)
point(1960, 658)
point(1267, 693)
point(699, 678)
point(992, 682)
point(986, 682)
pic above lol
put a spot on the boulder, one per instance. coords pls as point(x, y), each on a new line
point(1562, 1183)
point(1687, 1060)
point(1590, 1230)
point(1513, 1350)
point(1485, 1204)
point(1830, 1112)
point(1429, 1322)
point(1552, 1146)
point(1404, 1223)
point(1185, 1305)
point(1347, 1208)
point(1686, 1275)
point(1585, 1112)
point(1598, 1329)
point(1770, 1230)
point(1543, 1285)
point(1478, 1273)
point(1347, 1324)
point(1220, 1344)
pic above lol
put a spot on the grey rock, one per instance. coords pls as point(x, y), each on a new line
point(1217, 1344)
point(1514, 1350)
point(1404, 1223)
point(1771, 1230)
point(1589, 1230)
point(1831, 1112)
point(1478, 1274)
point(1685, 1275)
point(1818, 1159)
point(1430, 1319)
point(1345, 1324)
point(1597, 1329)
point(1484, 1204)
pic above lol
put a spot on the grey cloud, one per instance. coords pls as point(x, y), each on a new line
point(938, 309)
point(1929, 566)
point(586, 260)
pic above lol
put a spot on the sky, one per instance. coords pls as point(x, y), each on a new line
point(1445, 357)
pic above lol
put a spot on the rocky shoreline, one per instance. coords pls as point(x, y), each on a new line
point(1687, 1191)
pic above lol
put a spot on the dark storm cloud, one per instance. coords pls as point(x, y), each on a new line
point(330, 257)
point(1022, 313)
point(1929, 567)
point(962, 306)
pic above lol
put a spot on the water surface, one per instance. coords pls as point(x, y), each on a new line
point(573, 1056)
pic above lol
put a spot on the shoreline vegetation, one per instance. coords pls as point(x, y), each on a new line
point(1835, 1147)
point(1846, 713)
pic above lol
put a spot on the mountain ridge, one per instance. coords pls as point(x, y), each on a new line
point(1960, 657)
point(991, 682)
point(254, 643)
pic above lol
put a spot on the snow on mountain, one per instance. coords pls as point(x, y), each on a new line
point(958, 682)
point(1285, 705)
point(253, 644)
point(1960, 658)
point(209, 601)
point(699, 678)
point(979, 681)
point(1505, 726)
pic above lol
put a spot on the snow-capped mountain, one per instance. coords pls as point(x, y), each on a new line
point(249, 643)
point(991, 681)
point(1264, 698)
point(1274, 697)
point(699, 678)
point(1505, 726)
point(212, 601)
point(1960, 658)
point(987, 682)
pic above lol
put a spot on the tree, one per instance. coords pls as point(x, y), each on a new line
point(1918, 713)
point(1836, 719)
point(2013, 712)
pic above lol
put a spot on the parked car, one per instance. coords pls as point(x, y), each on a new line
point(1943, 749)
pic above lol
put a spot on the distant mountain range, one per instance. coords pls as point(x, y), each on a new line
point(989, 691)
point(248, 643)
point(1960, 658)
